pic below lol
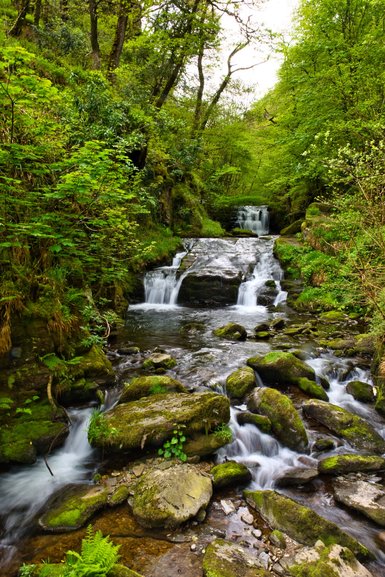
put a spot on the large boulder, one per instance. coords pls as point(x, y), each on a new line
point(150, 385)
point(149, 422)
point(367, 498)
point(362, 392)
point(286, 424)
point(206, 289)
point(240, 383)
point(168, 497)
point(352, 428)
point(301, 523)
point(350, 463)
point(279, 369)
point(226, 559)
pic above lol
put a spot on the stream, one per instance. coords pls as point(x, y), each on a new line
point(224, 280)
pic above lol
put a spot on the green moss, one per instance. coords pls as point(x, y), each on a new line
point(332, 316)
point(225, 559)
point(51, 570)
point(312, 389)
point(301, 523)
point(94, 363)
point(230, 473)
point(122, 571)
point(240, 382)
point(263, 423)
point(361, 391)
point(279, 368)
point(341, 464)
point(150, 385)
point(119, 496)
point(231, 331)
point(74, 511)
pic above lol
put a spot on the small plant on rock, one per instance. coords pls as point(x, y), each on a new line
point(174, 447)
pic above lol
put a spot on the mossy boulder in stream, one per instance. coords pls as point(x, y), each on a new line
point(159, 361)
point(312, 389)
point(72, 512)
point(360, 434)
point(286, 424)
point(227, 559)
point(231, 331)
point(322, 561)
point(240, 382)
point(150, 385)
point(149, 422)
point(171, 495)
point(301, 523)
point(362, 392)
point(260, 421)
point(230, 473)
point(349, 463)
point(279, 369)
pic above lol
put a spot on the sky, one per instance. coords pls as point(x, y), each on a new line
point(276, 15)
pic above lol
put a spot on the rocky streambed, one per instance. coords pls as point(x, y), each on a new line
point(272, 448)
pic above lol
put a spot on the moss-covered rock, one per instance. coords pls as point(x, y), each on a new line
point(292, 228)
point(58, 570)
point(169, 497)
point(332, 561)
point(312, 389)
point(69, 392)
point(300, 522)
point(240, 382)
point(230, 473)
point(367, 498)
point(260, 421)
point(122, 571)
point(149, 422)
point(279, 369)
point(232, 331)
point(323, 444)
point(286, 424)
point(93, 365)
point(226, 559)
point(352, 428)
point(349, 463)
point(150, 385)
point(278, 539)
point(72, 512)
point(159, 361)
point(362, 392)
point(332, 316)
point(202, 445)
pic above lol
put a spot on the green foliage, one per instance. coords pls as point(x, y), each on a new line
point(224, 433)
point(174, 447)
point(99, 428)
point(27, 570)
point(6, 403)
point(97, 557)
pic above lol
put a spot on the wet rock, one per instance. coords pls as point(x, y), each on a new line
point(122, 571)
point(232, 331)
point(299, 522)
point(150, 385)
point(95, 366)
point(333, 316)
point(296, 476)
point(159, 361)
point(149, 422)
point(323, 444)
point(240, 383)
point(322, 561)
point(227, 507)
point(224, 558)
point(262, 335)
point(367, 498)
point(312, 389)
point(380, 540)
point(278, 539)
point(262, 327)
point(204, 445)
point(263, 423)
point(286, 424)
point(72, 512)
point(352, 428)
point(247, 518)
point(342, 464)
point(70, 392)
point(209, 289)
point(277, 324)
point(169, 497)
point(362, 392)
point(230, 473)
point(292, 228)
point(279, 369)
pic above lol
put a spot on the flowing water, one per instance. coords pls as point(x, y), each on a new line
point(254, 218)
point(204, 360)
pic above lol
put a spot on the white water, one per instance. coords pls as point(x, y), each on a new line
point(267, 269)
point(254, 218)
point(160, 284)
point(23, 492)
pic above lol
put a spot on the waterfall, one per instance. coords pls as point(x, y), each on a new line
point(254, 218)
point(160, 284)
point(267, 269)
point(25, 490)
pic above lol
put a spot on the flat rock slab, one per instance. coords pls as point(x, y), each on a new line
point(350, 427)
point(297, 476)
point(226, 559)
point(299, 522)
point(342, 464)
point(169, 497)
point(151, 420)
point(367, 498)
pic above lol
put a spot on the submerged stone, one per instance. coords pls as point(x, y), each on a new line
point(240, 382)
point(232, 331)
point(226, 559)
point(367, 498)
point(150, 385)
point(286, 424)
point(149, 422)
point(159, 361)
point(301, 523)
point(169, 497)
point(352, 428)
point(342, 464)
point(230, 473)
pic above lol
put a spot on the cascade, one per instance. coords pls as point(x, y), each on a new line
point(159, 284)
point(266, 269)
point(254, 218)
point(24, 492)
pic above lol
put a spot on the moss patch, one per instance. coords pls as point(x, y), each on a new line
point(231, 331)
point(341, 464)
point(279, 369)
point(230, 473)
point(240, 382)
point(150, 385)
point(226, 559)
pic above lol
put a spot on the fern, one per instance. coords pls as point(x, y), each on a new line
point(98, 556)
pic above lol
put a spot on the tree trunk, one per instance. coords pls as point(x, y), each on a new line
point(129, 23)
point(19, 22)
point(95, 49)
point(37, 13)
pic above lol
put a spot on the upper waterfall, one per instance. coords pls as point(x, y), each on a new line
point(254, 218)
